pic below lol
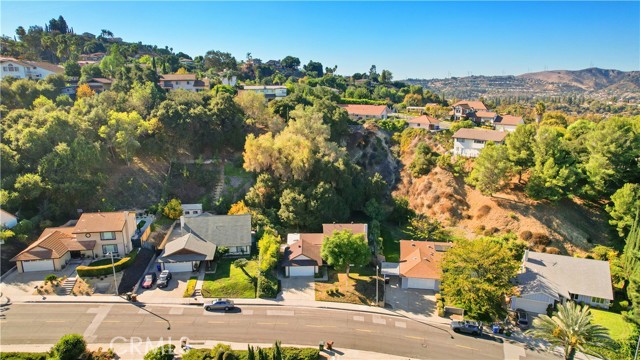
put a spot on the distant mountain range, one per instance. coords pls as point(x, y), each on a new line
point(593, 82)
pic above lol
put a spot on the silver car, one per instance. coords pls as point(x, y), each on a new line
point(220, 304)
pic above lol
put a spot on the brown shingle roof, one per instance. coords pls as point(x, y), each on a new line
point(510, 120)
point(309, 245)
point(100, 222)
point(480, 134)
point(329, 229)
point(101, 80)
point(421, 259)
point(424, 119)
point(370, 110)
point(477, 105)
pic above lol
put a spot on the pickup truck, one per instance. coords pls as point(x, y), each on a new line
point(467, 327)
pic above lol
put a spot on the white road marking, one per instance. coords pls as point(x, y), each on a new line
point(401, 324)
point(279, 312)
point(513, 352)
point(358, 318)
point(379, 320)
point(176, 311)
point(101, 314)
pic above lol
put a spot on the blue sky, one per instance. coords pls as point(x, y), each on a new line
point(412, 39)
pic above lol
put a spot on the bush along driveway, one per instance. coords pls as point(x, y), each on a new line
point(231, 282)
point(134, 272)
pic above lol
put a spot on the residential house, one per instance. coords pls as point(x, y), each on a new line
point(191, 210)
point(7, 219)
point(23, 69)
point(93, 235)
point(485, 117)
point(424, 122)
point(329, 229)
point(187, 240)
point(95, 57)
point(363, 112)
point(270, 92)
point(187, 82)
point(469, 142)
point(508, 123)
point(229, 80)
point(463, 109)
point(546, 279)
point(302, 255)
point(99, 84)
point(419, 266)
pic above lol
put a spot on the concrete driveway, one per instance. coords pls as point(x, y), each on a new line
point(410, 301)
point(19, 284)
point(175, 289)
point(298, 288)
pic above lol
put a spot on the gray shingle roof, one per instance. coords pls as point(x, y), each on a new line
point(222, 230)
point(564, 275)
point(188, 246)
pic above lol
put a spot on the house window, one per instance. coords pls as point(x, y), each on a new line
point(596, 300)
point(109, 249)
point(187, 83)
point(186, 213)
point(575, 297)
point(478, 141)
point(108, 235)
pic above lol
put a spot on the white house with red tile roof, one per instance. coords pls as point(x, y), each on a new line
point(270, 92)
point(23, 69)
point(469, 142)
point(508, 123)
point(187, 82)
point(420, 264)
point(463, 108)
point(424, 122)
point(7, 219)
point(94, 234)
point(362, 112)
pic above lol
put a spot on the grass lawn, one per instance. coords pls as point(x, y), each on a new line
point(361, 288)
point(391, 235)
point(231, 170)
point(231, 282)
point(619, 329)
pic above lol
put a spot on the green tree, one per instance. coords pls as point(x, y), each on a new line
point(29, 186)
point(386, 76)
point(242, 264)
point(173, 209)
point(424, 160)
point(343, 249)
point(631, 268)
point(71, 68)
point(491, 169)
point(268, 250)
point(69, 347)
point(539, 110)
point(571, 328)
point(374, 210)
point(290, 62)
point(423, 228)
point(164, 352)
point(520, 148)
point(277, 351)
point(467, 124)
point(293, 208)
point(476, 275)
point(625, 204)
point(122, 132)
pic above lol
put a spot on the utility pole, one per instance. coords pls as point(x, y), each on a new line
point(115, 280)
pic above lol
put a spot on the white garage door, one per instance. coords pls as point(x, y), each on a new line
point(301, 271)
point(37, 265)
point(533, 306)
point(178, 266)
point(413, 283)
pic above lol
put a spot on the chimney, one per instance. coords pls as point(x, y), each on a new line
point(181, 223)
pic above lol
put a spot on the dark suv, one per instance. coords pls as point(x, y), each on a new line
point(163, 280)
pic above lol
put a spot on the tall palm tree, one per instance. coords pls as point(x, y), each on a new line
point(539, 109)
point(570, 328)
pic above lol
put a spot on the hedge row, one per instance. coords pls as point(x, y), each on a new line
point(288, 353)
point(23, 356)
point(362, 101)
point(93, 271)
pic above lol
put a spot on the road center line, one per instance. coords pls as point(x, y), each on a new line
point(271, 323)
point(466, 347)
point(414, 337)
point(365, 330)
point(321, 326)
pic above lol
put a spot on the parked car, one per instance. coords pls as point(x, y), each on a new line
point(148, 280)
point(467, 327)
point(163, 279)
point(522, 318)
point(220, 304)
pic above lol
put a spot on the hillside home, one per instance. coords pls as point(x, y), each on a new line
point(93, 235)
point(99, 84)
point(95, 57)
point(270, 92)
point(363, 112)
point(187, 82)
point(462, 109)
point(191, 210)
point(469, 142)
point(508, 123)
point(546, 279)
point(419, 266)
point(196, 238)
point(424, 122)
point(23, 69)
point(7, 219)
point(485, 117)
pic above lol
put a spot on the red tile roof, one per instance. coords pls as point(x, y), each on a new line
point(480, 134)
point(309, 246)
point(100, 222)
point(485, 114)
point(510, 120)
point(53, 244)
point(369, 110)
point(424, 119)
point(421, 259)
point(477, 105)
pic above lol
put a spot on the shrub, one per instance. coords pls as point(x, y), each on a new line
point(267, 286)
point(191, 286)
point(483, 211)
point(491, 231)
point(540, 239)
point(164, 352)
point(513, 216)
point(197, 354)
point(291, 353)
point(23, 356)
point(95, 271)
point(51, 278)
point(552, 250)
point(69, 347)
point(480, 229)
point(526, 235)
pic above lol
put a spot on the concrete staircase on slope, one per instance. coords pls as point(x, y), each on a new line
point(68, 285)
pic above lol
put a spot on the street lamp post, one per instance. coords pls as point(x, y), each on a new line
point(115, 280)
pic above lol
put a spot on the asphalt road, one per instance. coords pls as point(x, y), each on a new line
point(101, 323)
